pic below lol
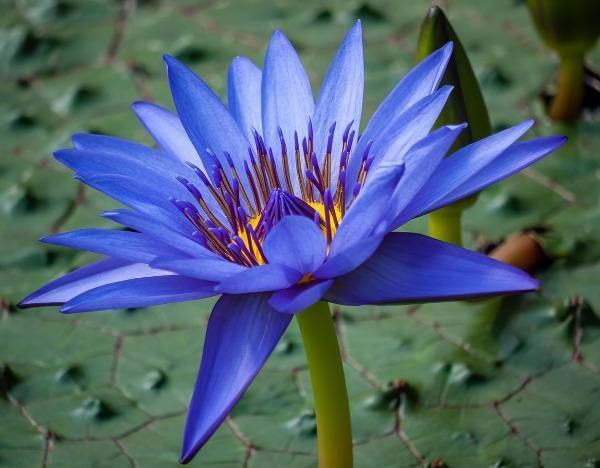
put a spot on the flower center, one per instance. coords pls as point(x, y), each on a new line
point(248, 211)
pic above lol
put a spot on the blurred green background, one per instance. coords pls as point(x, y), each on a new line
point(453, 385)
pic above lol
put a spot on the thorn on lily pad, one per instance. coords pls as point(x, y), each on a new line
point(569, 426)
point(499, 464)
point(154, 380)
point(462, 374)
point(69, 374)
point(94, 408)
point(285, 346)
point(437, 463)
point(8, 379)
point(392, 396)
point(305, 424)
point(508, 204)
point(465, 437)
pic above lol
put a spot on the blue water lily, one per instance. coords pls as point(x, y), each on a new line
point(276, 202)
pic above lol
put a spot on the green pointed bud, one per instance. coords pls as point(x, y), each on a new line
point(570, 28)
point(466, 102)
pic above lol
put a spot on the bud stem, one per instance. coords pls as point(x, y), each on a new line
point(445, 224)
point(567, 103)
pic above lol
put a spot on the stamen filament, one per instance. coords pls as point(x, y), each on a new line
point(255, 194)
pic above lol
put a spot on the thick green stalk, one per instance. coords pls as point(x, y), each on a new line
point(328, 385)
point(445, 224)
point(568, 101)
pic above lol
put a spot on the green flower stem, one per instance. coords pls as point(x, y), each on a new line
point(329, 386)
point(567, 103)
point(445, 224)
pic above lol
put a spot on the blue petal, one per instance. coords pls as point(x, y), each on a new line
point(410, 268)
point(391, 146)
point(153, 178)
point(166, 130)
point(161, 232)
point(113, 145)
point(72, 284)
point(130, 246)
point(420, 82)
point(210, 269)
point(92, 161)
point(296, 242)
point(298, 297)
point(350, 257)
point(244, 95)
point(287, 100)
point(140, 197)
point(241, 334)
point(340, 97)
point(269, 277)
point(363, 226)
point(516, 158)
point(140, 292)
point(411, 127)
point(367, 212)
point(466, 162)
point(420, 163)
point(205, 119)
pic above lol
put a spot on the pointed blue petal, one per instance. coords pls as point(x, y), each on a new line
point(151, 177)
point(130, 246)
point(206, 120)
point(72, 284)
point(151, 168)
point(367, 212)
point(420, 163)
point(410, 268)
point(296, 242)
point(210, 269)
point(141, 197)
point(363, 226)
point(244, 95)
point(516, 158)
point(140, 292)
point(298, 297)
point(269, 277)
point(390, 146)
point(161, 232)
point(166, 130)
point(466, 162)
point(242, 332)
point(287, 100)
point(340, 97)
point(112, 145)
point(411, 127)
point(420, 82)
point(350, 257)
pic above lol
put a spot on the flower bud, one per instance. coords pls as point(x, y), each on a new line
point(568, 27)
point(466, 102)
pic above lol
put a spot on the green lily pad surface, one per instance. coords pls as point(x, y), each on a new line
point(483, 384)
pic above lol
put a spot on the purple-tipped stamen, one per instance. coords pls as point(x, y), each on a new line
point(270, 185)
